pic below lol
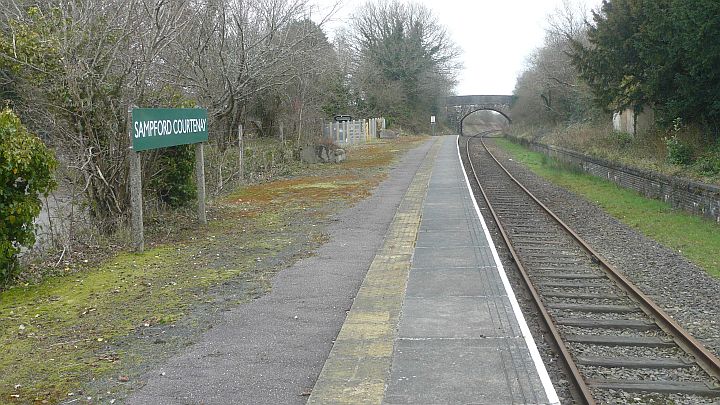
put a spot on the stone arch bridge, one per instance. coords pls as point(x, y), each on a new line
point(459, 107)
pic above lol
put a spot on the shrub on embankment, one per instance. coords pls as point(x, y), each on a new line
point(686, 152)
point(26, 171)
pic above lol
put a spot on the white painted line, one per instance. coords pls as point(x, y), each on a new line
point(532, 347)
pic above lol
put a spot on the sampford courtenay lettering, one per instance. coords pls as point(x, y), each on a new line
point(154, 128)
point(169, 127)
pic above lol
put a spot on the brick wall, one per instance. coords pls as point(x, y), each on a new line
point(694, 197)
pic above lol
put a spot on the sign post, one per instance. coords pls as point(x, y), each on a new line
point(153, 128)
point(432, 124)
point(136, 205)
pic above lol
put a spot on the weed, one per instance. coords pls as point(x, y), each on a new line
point(678, 153)
point(621, 139)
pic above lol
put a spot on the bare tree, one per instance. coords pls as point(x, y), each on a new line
point(550, 90)
point(405, 60)
point(72, 69)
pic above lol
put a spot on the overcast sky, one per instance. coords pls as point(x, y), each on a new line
point(496, 36)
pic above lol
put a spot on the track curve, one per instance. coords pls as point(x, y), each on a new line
point(587, 305)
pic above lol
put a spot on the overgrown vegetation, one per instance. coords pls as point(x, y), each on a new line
point(71, 73)
point(658, 53)
point(640, 55)
point(174, 183)
point(696, 238)
point(26, 172)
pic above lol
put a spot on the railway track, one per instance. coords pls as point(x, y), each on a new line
point(611, 337)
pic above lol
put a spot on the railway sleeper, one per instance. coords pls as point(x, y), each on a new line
point(573, 276)
point(584, 295)
point(616, 309)
point(545, 260)
point(533, 229)
point(662, 387)
point(543, 247)
point(543, 243)
point(633, 324)
point(633, 362)
point(634, 341)
point(533, 238)
point(576, 284)
point(562, 270)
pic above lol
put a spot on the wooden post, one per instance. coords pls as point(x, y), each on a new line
point(241, 144)
point(282, 133)
point(136, 203)
point(200, 172)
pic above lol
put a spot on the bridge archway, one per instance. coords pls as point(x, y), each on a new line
point(460, 107)
point(497, 110)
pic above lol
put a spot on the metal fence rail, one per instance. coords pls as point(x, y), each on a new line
point(354, 132)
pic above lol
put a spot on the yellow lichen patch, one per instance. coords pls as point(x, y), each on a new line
point(308, 190)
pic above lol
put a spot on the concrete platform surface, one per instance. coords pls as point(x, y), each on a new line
point(453, 333)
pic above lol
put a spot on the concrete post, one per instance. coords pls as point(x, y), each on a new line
point(241, 155)
point(136, 201)
point(136, 204)
point(200, 173)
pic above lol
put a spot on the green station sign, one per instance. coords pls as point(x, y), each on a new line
point(154, 128)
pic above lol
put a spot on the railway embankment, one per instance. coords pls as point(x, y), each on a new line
point(684, 194)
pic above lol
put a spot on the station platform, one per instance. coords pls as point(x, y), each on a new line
point(435, 320)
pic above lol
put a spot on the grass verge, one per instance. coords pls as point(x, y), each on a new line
point(87, 336)
point(695, 238)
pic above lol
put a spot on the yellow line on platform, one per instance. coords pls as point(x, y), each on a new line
point(357, 369)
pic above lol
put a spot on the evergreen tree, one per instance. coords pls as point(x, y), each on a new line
point(662, 53)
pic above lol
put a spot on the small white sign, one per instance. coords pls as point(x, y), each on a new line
point(432, 119)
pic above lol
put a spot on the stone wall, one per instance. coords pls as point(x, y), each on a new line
point(694, 197)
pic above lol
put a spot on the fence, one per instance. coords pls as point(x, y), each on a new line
point(354, 132)
point(64, 218)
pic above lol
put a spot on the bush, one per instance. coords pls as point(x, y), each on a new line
point(26, 171)
point(678, 152)
point(708, 163)
point(621, 139)
point(174, 182)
